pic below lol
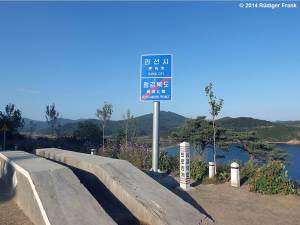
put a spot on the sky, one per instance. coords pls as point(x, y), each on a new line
point(80, 54)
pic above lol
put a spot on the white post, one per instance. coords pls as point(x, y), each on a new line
point(93, 151)
point(235, 175)
point(211, 170)
point(184, 165)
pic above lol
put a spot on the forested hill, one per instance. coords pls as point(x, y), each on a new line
point(40, 125)
point(295, 123)
point(270, 131)
point(169, 122)
point(242, 123)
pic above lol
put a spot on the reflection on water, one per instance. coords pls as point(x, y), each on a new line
point(235, 153)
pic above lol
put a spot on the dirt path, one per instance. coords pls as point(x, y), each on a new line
point(237, 206)
point(10, 213)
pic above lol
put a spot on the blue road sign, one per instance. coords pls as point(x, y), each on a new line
point(156, 66)
point(155, 89)
point(156, 77)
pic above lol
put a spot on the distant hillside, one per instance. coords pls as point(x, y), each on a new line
point(169, 121)
point(282, 133)
point(38, 124)
point(295, 123)
point(269, 131)
point(41, 125)
point(242, 123)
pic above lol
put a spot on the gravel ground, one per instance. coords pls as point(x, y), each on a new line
point(237, 206)
point(10, 213)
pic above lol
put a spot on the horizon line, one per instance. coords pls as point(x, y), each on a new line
point(206, 117)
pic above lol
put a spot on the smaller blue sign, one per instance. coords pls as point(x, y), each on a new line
point(155, 89)
point(156, 66)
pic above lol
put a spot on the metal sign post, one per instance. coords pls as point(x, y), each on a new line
point(156, 86)
point(155, 139)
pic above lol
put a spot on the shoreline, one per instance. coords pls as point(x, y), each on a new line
point(291, 142)
point(169, 146)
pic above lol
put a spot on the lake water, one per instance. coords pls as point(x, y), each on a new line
point(235, 153)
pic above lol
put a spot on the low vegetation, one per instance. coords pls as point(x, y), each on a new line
point(248, 170)
point(272, 178)
point(199, 170)
point(169, 164)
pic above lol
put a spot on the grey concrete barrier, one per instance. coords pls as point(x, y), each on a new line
point(145, 198)
point(49, 193)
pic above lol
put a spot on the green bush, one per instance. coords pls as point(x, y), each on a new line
point(223, 177)
point(141, 157)
point(223, 173)
point(272, 179)
point(138, 155)
point(199, 170)
point(168, 163)
point(248, 169)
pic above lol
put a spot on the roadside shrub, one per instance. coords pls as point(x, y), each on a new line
point(140, 156)
point(223, 177)
point(164, 162)
point(136, 154)
point(199, 170)
point(110, 151)
point(272, 179)
point(223, 173)
point(168, 163)
point(248, 169)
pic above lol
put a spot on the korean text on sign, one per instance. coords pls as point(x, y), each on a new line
point(156, 66)
point(156, 77)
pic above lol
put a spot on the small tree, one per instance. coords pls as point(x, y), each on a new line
point(12, 118)
point(199, 132)
point(104, 115)
point(215, 108)
point(87, 131)
point(129, 126)
point(51, 116)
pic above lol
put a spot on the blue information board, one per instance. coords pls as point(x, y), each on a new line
point(156, 77)
point(156, 66)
